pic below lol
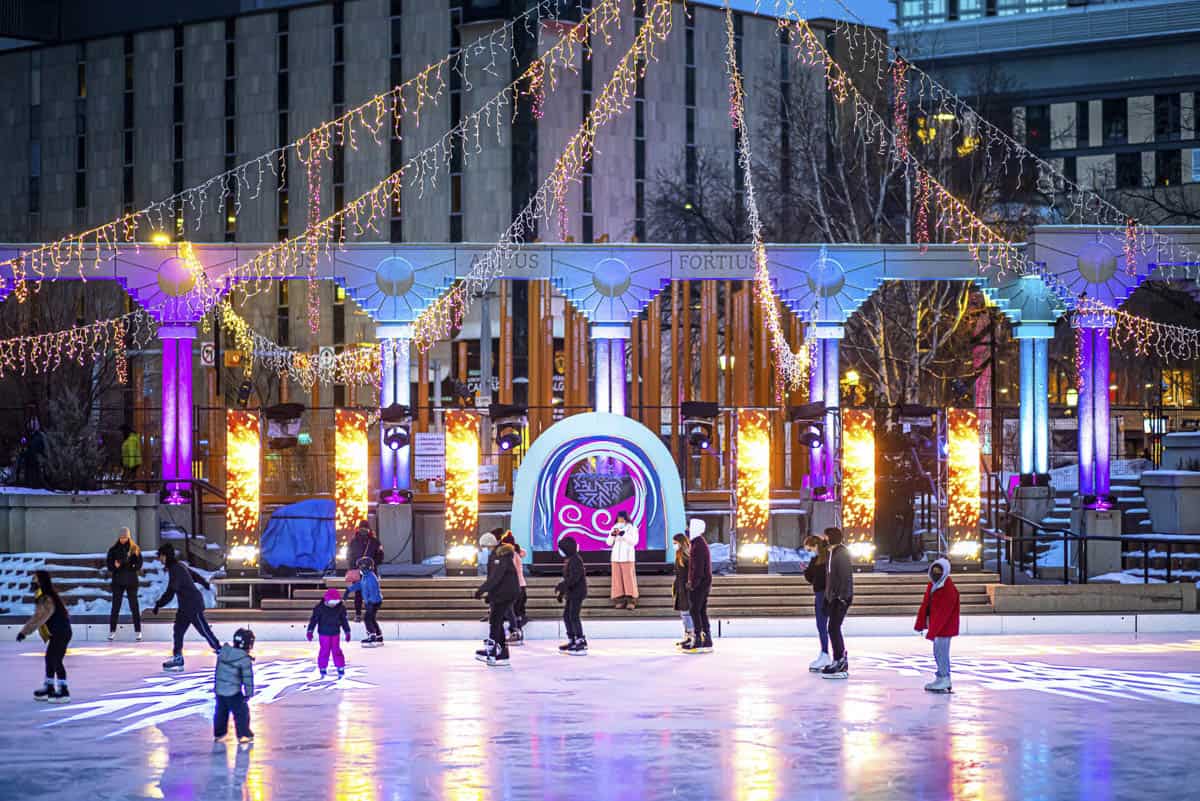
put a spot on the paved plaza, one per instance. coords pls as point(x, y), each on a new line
point(1032, 717)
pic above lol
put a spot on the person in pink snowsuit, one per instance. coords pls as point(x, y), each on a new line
point(329, 619)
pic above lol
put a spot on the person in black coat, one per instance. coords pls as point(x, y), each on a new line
point(502, 588)
point(181, 584)
point(365, 542)
point(839, 594)
point(679, 590)
point(699, 584)
point(571, 592)
point(124, 568)
point(814, 572)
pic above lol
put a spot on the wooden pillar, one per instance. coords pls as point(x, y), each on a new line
point(760, 357)
point(676, 369)
point(652, 364)
point(741, 347)
point(708, 372)
point(422, 390)
point(728, 328)
point(505, 372)
point(689, 391)
point(533, 388)
point(636, 342)
point(583, 351)
point(547, 332)
point(796, 397)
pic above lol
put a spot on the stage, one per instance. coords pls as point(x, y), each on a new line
point(1047, 717)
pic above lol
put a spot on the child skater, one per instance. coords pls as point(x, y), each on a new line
point(571, 592)
point(329, 618)
point(516, 616)
point(181, 584)
point(233, 684)
point(818, 566)
point(501, 589)
point(679, 591)
point(939, 617)
point(368, 585)
point(51, 620)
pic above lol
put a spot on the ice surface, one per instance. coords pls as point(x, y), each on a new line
point(1032, 717)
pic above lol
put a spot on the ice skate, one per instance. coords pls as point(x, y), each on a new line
point(173, 665)
point(516, 637)
point(485, 653)
point(706, 644)
point(372, 641)
point(322, 672)
point(112, 635)
point(44, 693)
point(940, 685)
point(245, 742)
point(687, 639)
point(578, 648)
point(820, 663)
point(138, 636)
point(838, 670)
point(498, 658)
point(341, 673)
point(62, 695)
point(566, 646)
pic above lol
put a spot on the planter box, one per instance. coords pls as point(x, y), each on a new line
point(1173, 498)
point(1180, 449)
point(1101, 597)
point(75, 523)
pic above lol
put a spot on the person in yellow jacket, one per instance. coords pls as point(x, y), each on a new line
point(131, 453)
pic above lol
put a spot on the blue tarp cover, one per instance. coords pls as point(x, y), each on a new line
point(300, 536)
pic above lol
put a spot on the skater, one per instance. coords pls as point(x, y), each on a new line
point(679, 592)
point(51, 620)
point(233, 684)
point(330, 620)
point(699, 584)
point(124, 566)
point(501, 588)
point(818, 566)
point(364, 543)
point(839, 594)
point(181, 584)
point(368, 585)
point(516, 616)
point(623, 540)
point(571, 592)
point(938, 617)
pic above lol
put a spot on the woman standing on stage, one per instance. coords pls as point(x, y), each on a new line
point(623, 540)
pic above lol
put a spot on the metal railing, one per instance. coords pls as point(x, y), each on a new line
point(199, 489)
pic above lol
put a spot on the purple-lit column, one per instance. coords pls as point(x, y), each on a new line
point(1092, 338)
point(609, 368)
point(824, 388)
point(176, 446)
point(394, 387)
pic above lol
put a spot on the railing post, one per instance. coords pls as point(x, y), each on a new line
point(1145, 561)
point(1066, 559)
point(1168, 561)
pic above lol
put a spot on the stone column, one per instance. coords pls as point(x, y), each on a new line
point(824, 388)
point(176, 446)
point(1092, 358)
point(394, 387)
point(1035, 389)
point(609, 367)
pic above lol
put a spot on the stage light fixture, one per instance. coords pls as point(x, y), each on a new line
point(396, 436)
point(700, 435)
point(396, 497)
point(509, 421)
point(243, 393)
point(813, 436)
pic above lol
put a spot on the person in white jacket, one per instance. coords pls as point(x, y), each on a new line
point(623, 540)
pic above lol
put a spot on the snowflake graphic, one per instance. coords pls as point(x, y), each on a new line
point(597, 490)
point(1084, 683)
point(170, 697)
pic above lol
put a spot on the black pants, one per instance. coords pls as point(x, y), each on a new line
point(130, 592)
point(358, 604)
point(516, 612)
point(497, 614)
point(235, 704)
point(699, 599)
point(56, 649)
point(195, 619)
point(837, 615)
point(369, 620)
point(571, 618)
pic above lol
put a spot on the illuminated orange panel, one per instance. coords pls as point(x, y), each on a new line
point(963, 474)
point(753, 483)
point(243, 477)
point(858, 475)
point(462, 478)
point(350, 469)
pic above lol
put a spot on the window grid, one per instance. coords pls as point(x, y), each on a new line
point(397, 143)
point(283, 218)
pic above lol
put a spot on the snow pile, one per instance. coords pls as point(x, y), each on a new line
point(11, 490)
point(85, 589)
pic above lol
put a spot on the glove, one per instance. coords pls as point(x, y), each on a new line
point(154, 611)
point(921, 633)
point(347, 636)
point(558, 596)
point(309, 636)
point(478, 594)
point(20, 637)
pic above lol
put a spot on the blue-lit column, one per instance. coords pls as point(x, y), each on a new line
point(1035, 392)
point(609, 366)
point(394, 387)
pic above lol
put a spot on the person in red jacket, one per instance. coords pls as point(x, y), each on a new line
point(938, 618)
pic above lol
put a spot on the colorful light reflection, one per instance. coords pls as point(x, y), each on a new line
point(858, 475)
point(963, 474)
point(243, 479)
point(350, 469)
point(462, 478)
point(753, 480)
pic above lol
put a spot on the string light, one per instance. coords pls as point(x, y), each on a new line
point(793, 366)
point(42, 353)
point(94, 246)
point(447, 311)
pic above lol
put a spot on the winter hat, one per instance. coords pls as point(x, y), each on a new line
point(695, 528)
point(488, 540)
point(945, 563)
point(567, 546)
point(332, 595)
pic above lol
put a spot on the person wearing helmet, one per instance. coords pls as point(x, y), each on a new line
point(181, 585)
point(233, 684)
point(368, 585)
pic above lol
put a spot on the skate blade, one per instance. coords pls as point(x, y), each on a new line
point(498, 664)
point(173, 670)
point(483, 659)
point(940, 692)
point(576, 653)
point(835, 676)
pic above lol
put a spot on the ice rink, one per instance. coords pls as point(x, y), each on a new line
point(1032, 717)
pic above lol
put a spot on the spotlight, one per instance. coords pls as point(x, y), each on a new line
point(700, 435)
point(243, 393)
point(396, 436)
point(396, 420)
point(509, 421)
point(813, 436)
point(508, 435)
point(395, 497)
point(697, 421)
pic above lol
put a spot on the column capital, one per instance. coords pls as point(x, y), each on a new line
point(393, 331)
point(177, 332)
point(822, 330)
point(1093, 319)
point(609, 331)
point(1033, 331)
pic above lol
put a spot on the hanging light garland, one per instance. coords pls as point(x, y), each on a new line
point(1143, 336)
point(89, 249)
point(792, 366)
point(446, 312)
point(42, 353)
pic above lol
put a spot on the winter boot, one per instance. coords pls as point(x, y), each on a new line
point(61, 695)
point(44, 693)
point(578, 648)
point(245, 742)
point(632, 603)
point(485, 653)
point(820, 663)
point(941, 684)
point(173, 665)
point(499, 657)
point(838, 670)
point(566, 646)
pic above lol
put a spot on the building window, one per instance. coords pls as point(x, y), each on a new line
point(282, 86)
point(1037, 126)
point(1168, 113)
point(177, 131)
point(1178, 387)
point(1168, 167)
point(397, 142)
point(1114, 116)
point(283, 325)
point(689, 114)
point(1083, 124)
point(456, 149)
point(229, 196)
point(587, 228)
point(339, 100)
point(81, 128)
point(1129, 170)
